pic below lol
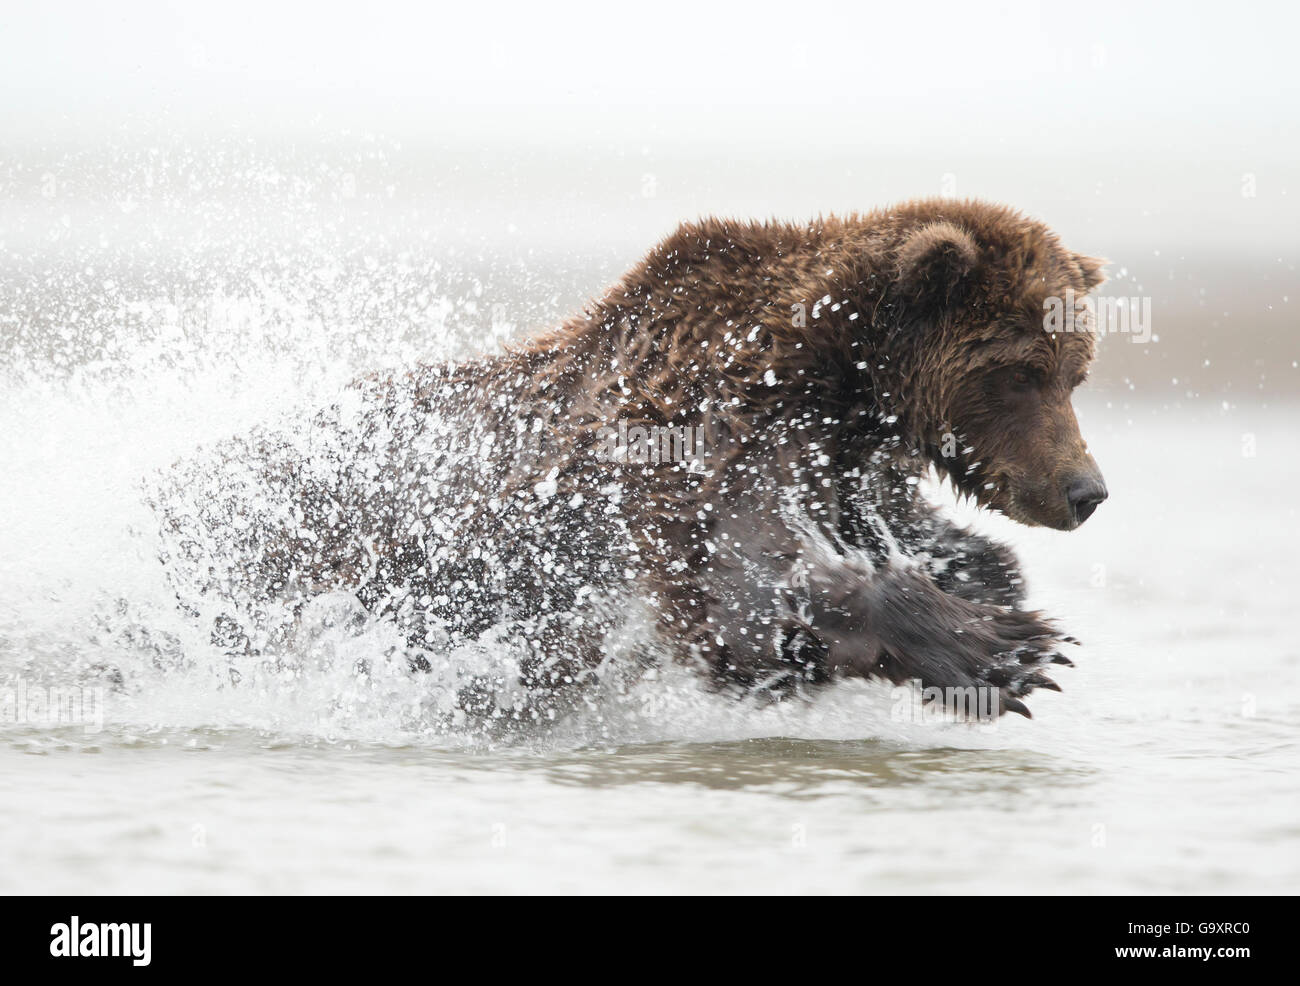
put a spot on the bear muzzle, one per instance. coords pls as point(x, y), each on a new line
point(1085, 494)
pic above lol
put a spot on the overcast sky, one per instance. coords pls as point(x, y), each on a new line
point(1109, 112)
point(1104, 71)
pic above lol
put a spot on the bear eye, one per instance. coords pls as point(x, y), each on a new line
point(1022, 379)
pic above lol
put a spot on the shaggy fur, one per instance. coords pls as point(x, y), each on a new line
point(829, 366)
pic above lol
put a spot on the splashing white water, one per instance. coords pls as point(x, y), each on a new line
point(118, 368)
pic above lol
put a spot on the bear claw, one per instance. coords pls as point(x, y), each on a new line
point(1015, 705)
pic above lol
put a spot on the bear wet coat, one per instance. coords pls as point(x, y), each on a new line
point(822, 369)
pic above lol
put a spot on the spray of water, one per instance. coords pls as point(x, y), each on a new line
point(208, 299)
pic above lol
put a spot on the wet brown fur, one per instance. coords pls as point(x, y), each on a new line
point(830, 364)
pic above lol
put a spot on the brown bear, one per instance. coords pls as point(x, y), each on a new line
point(732, 436)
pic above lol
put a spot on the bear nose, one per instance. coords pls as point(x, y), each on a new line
point(1084, 494)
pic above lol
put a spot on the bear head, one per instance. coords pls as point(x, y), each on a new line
point(980, 378)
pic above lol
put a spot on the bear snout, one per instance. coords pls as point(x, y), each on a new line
point(1085, 492)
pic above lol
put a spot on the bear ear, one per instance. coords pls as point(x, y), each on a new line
point(935, 261)
point(1090, 270)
